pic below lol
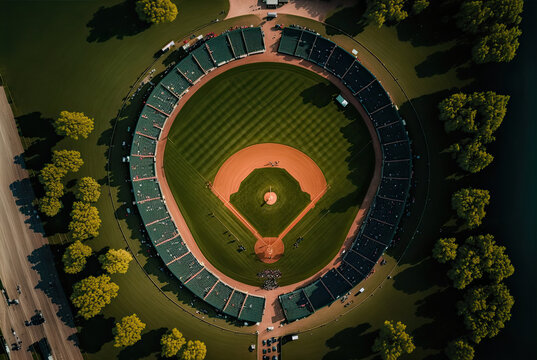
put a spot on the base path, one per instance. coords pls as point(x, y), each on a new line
point(273, 311)
point(241, 164)
point(26, 259)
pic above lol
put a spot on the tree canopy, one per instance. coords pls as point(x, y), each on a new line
point(74, 257)
point(485, 310)
point(88, 190)
point(54, 189)
point(477, 257)
point(91, 294)
point(156, 11)
point(116, 261)
point(51, 173)
point(393, 11)
point(195, 350)
point(459, 350)
point(479, 113)
point(73, 125)
point(85, 221)
point(128, 331)
point(473, 157)
point(69, 160)
point(495, 23)
point(445, 250)
point(50, 206)
point(470, 205)
point(393, 341)
point(172, 342)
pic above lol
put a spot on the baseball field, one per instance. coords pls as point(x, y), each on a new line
point(232, 112)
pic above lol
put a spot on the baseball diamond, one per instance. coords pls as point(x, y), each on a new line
point(172, 224)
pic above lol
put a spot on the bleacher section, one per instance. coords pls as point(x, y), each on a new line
point(237, 43)
point(295, 305)
point(253, 39)
point(304, 46)
point(234, 305)
point(220, 50)
point(339, 62)
point(203, 58)
point(153, 210)
point(252, 309)
point(383, 217)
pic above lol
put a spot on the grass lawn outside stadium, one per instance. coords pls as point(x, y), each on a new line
point(270, 220)
point(268, 103)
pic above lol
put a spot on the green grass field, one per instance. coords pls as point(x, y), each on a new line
point(261, 103)
point(270, 220)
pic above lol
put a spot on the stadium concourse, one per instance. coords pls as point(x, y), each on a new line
point(380, 211)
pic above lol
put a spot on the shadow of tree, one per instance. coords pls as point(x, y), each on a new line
point(319, 95)
point(24, 195)
point(116, 21)
point(420, 277)
point(351, 20)
point(42, 261)
point(95, 332)
point(40, 132)
point(351, 343)
point(441, 62)
point(148, 344)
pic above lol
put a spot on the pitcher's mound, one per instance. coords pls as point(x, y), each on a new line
point(270, 198)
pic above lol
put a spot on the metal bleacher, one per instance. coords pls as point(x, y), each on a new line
point(151, 206)
point(383, 217)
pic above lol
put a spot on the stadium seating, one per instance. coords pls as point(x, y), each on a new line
point(219, 295)
point(295, 305)
point(322, 49)
point(357, 77)
point(145, 190)
point(237, 43)
point(220, 50)
point(394, 188)
point(185, 267)
point(161, 100)
point(368, 248)
point(171, 250)
point(253, 39)
point(142, 168)
point(359, 262)
point(252, 309)
point(373, 97)
point(190, 69)
point(339, 62)
point(318, 295)
point(201, 283)
point(305, 44)
point(397, 169)
point(289, 40)
point(350, 273)
point(234, 304)
point(385, 116)
point(175, 82)
point(201, 54)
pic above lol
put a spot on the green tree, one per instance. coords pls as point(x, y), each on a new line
point(479, 113)
point(85, 221)
point(128, 331)
point(69, 160)
point(485, 310)
point(195, 350)
point(459, 350)
point(91, 294)
point(474, 157)
point(445, 250)
point(470, 205)
point(50, 206)
point(498, 46)
point(116, 261)
point(480, 16)
point(156, 11)
point(74, 257)
point(172, 342)
point(393, 341)
point(479, 256)
point(54, 189)
point(88, 190)
point(50, 173)
point(73, 124)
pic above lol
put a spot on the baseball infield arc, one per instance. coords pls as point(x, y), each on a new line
point(239, 165)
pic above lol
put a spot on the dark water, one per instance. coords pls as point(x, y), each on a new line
point(512, 180)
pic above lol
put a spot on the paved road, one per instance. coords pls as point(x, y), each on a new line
point(25, 258)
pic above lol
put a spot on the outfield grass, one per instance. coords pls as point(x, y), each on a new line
point(270, 220)
point(262, 103)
